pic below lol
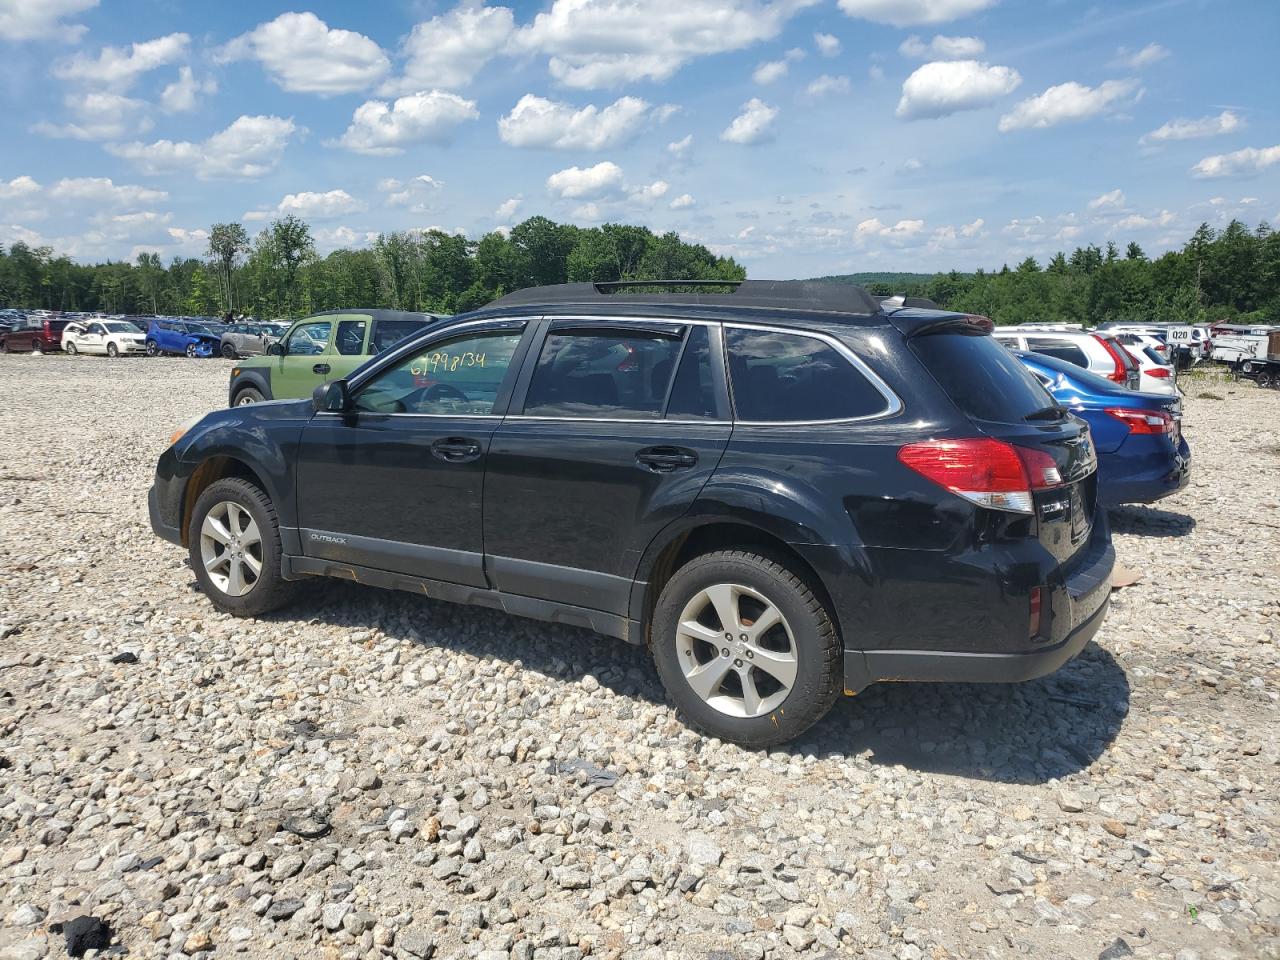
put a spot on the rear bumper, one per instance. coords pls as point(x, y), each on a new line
point(1146, 479)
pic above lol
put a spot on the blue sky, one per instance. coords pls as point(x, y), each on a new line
point(801, 136)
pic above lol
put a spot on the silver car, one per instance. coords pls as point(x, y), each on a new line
point(248, 339)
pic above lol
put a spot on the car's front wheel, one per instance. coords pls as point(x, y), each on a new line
point(746, 648)
point(248, 395)
point(191, 350)
point(113, 350)
point(70, 347)
point(234, 544)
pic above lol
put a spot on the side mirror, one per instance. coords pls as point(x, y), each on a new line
point(331, 397)
point(275, 349)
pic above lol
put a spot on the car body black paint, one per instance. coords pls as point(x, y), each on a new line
point(558, 519)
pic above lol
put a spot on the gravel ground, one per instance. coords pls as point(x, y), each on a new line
point(376, 774)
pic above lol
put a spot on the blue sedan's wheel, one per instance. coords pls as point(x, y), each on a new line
point(153, 349)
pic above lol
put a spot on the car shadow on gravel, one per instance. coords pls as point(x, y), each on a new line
point(1013, 733)
point(1143, 521)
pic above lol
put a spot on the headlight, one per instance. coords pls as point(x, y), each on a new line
point(181, 431)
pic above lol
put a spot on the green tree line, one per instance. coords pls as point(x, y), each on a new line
point(279, 274)
point(1216, 275)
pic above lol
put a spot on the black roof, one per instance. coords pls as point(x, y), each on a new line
point(806, 295)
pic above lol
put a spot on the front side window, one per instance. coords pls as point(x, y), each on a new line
point(98, 330)
point(350, 338)
point(790, 377)
point(1059, 348)
point(309, 339)
point(457, 377)
point(611, 373)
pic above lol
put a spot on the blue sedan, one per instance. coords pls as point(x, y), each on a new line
point(1142, 455)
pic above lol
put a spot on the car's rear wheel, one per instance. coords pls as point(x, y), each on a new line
point(37, 348)
point(70, 347)
point(746, 648)
point(248, 395)
point(153, 348)
point(191, 350)
point(113, 350)
point(234, 545)
point(229, 351)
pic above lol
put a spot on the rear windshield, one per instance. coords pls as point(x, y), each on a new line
point(985, 380)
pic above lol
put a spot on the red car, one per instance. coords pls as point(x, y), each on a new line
point(34, 334)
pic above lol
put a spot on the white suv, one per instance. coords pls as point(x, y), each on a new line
point(1097, 352)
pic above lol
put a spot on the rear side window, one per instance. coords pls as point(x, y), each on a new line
point(387, 333)
point(350, 338)
point(985, 380)
point(603, 373)
point(788, 377)
point(693, 395)
point(1057, 347)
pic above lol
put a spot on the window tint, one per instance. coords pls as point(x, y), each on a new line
point(350, 338)
point(98, 329)
point(693, 395)
point(1059, 348)
point(387, 333)
point(309, 339)
point(603, 373)
point(451, 377)
point(792, 377)
point(986, 381)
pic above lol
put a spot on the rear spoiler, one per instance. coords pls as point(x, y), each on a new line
point(919, 323)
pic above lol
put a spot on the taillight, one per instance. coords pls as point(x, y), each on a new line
point(1143, 421)
point(1118, 373)
point(1158, 372)
point(990, 473)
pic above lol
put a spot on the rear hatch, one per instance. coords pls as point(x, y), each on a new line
point(53, 329)
point(1004, 401)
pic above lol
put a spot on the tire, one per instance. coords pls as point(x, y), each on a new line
point(153, 349)
point(112, 350)
point(813, 652)
point(191, 350)
point(37, 348)
point(70, 347)
point(247, 395)
point(230, 501)
point(229, 351)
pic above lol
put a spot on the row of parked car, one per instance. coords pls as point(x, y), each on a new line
point(45, 332)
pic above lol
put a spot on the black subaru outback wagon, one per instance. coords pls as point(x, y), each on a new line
point(784, 490)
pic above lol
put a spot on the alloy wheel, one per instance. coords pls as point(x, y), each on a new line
point(231, 548)
point(736, 650)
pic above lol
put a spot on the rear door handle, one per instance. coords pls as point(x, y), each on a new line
point(455, 450)
point(320, 368)
point(666, 459)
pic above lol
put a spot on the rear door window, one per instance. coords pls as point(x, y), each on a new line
point(693, 394)
point(985, 380)
point(1058, 347)
point(350, 338)
point(611, 373)
point(780, 377)
point(387, 333)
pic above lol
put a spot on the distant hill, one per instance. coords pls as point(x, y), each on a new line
point(892, 279)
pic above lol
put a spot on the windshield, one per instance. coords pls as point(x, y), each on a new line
point(122, 328)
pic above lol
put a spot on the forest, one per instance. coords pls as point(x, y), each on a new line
point(1229, 274)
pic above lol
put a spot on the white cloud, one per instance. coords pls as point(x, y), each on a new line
point(574, 182)
point(99, 116)
point(449, 50)
point(103, 192)
point(302, 54)
point(334, 238)
point(826, 84)
point(945, 87)
point(417, 194)
point(23, 186)
point(910, 13)
point(770, 71)
point(604, 43)
point(680, 147)
point(380, 129)
point(1138, 222)
point(973, 229)
point(1184, 129)
point(538, 122)
point(942, 48)
point(875, 72)
point(753, 125)
point(319, 206)
point(507, 209)
point(183, 95)
point(1114, 199)
point(682, 202)
point(250, 147)
point(901, 230)
point(1137, 59)
point(650, 193)
point(42, 19)
point(1067, 102)
point(828, 45)
point(590, 212)
point(118, 68)
point(1242, 163)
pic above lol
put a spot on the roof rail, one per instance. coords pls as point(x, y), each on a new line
point(815, 295)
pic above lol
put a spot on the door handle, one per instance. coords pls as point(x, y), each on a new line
point(666, 459)
point(320, 368)
point(455, 450)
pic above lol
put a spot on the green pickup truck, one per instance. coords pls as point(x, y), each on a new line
point(323, 347)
